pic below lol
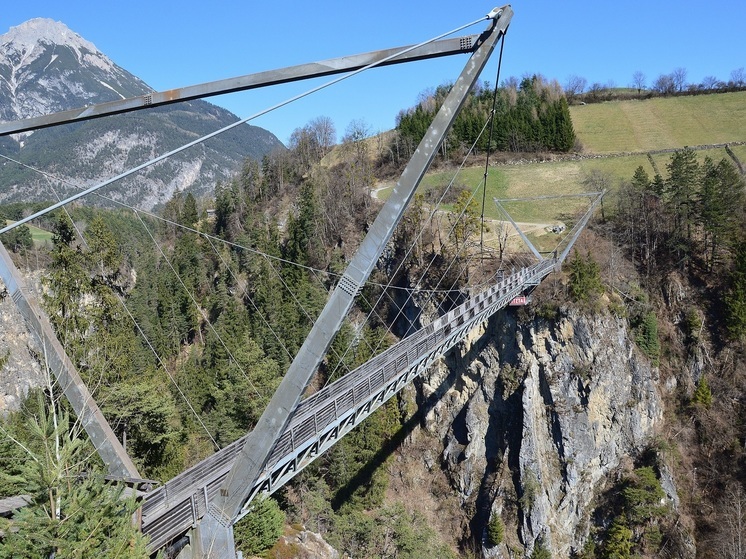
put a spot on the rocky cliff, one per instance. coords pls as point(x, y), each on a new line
point(19, 371)
point(534, 416)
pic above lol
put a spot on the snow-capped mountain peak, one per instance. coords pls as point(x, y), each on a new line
point(45, 67)
point(26, 37)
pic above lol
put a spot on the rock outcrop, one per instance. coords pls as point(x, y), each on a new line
point(20, 371)
point(535, 415)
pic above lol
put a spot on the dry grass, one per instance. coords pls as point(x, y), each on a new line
point(604, 128)
point(661, 123)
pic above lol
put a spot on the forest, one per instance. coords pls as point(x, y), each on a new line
point(184, 321)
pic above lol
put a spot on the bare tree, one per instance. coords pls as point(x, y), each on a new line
point(354, 138)
point(732, 533)
point(738, 77)
point(323, 131)
point(679, 78)
point(638, 81)
point(502, 232)
point(664, 84)
point(596, 89)
point(575, 86)
point(709, 82)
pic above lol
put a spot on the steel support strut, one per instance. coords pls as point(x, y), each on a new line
point(215, 530)
point(444, 47)
point(103, 438)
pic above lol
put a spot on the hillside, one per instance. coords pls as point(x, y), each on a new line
point(46, 68)
point(616, 138)
point(580, 425)
point(660, 123)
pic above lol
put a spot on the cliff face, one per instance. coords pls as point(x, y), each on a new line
point(541, 413)
point(21, 371)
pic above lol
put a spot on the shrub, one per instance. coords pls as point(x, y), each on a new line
point(259, 530)
point(495, 530)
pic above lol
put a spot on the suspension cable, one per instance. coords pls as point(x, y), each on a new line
point(489, 141)
point(134, 321)
point(413, 244)
point(233, 244)
point(196, 304)
point(239, 122)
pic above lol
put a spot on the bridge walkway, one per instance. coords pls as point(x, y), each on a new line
point(326, 416)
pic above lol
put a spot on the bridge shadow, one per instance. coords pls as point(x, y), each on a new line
point(365, 474)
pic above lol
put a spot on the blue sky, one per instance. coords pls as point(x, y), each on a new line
point(174, 44)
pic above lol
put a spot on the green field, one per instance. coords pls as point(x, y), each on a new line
point(41, 237)
point(660, 123)
point(614, 127)
point(603, 129)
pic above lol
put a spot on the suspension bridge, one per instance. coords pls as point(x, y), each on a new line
point(193, 513)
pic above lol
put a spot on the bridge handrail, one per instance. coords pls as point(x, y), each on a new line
point(175, 506)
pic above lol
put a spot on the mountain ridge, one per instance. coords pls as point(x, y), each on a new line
point(45, 67)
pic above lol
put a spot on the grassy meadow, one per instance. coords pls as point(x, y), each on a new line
point(660, 123)
point(606, 129)
point(40, 237)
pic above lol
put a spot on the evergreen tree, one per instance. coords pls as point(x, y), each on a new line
point(67, 282)
point(618, 543)
point(720, 200)
point(72, 512)
point(585, 277)
point(258, 531)
point(189, 214)
point(681, 191)
point(641, 180)
point(735, 296)
point(702, 395)
point(647, 337)
point(642, 496)
point(495, 530)
point(18, 240)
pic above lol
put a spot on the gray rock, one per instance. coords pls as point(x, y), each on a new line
point(552, 408)
point(21, 372)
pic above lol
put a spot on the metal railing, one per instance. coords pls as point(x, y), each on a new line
point(326, 416)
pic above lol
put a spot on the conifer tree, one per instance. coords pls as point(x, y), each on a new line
point(585, 277)
point(72, 512)
point(735, 296)
point(681, 191)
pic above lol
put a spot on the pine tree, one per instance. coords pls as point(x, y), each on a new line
point(495, 530)
point(72, 512)
point(618, 543)
point(720, 201)
point(258, 531)
point(189, 214)
point(585, 277)
point(67, 282)
point(681, 191)
point(702, 395)
point(735, 296)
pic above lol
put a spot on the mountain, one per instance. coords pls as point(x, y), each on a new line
point(45, 67)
